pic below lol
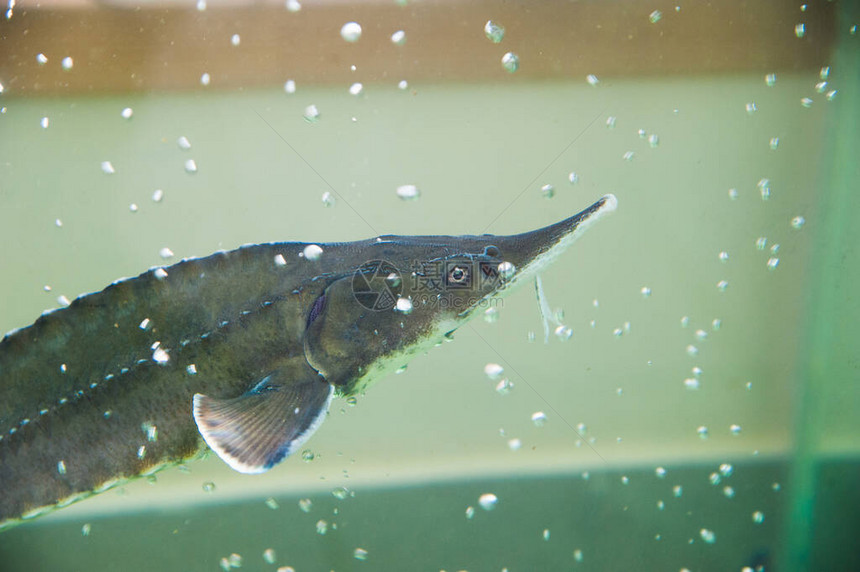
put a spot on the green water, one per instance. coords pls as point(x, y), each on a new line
point(779, 362)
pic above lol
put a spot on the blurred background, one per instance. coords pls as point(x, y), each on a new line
point(704, 414)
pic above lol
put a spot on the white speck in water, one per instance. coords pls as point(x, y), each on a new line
point(702, 432)
point(63, 301)
point(86, 529)
point(351, 31)
point(360, 554)
point(504, 386)
point(660, 472)
point(645, 291)
point(539, 418)
point(564, 333)
point(800, 30)
point(611, 121)
point(408, 192)
point(165, 253)
point(183, 143)
point(312, 252)
point(548, 191)
point(751, 107)
point(677, 491)
point(494, 371)
point(806, 102)
point(628, 156)
point(494, 32)
point(511, 62)
point(488, 501)
point(655, 16)
point(733, 194)
point(722, 285)
point(205, 79)
point(322, 527)
point(160, 356)
point(772, 263)
point(506, 270)
point(45, 122)
point(798, 222)
point(514, 444)
point(107, 168)
point(708, 536)
point(235, 39)
point(545, 534)
point(61, 467)
point(328, 199)
point(190, 166)
point(398, 38)
point(592, 79)
point(356, 89)
point(68, 63)
point(692, 383)
point(403, 305)
point(127, 113)
point(290, 86)
point(293, 6)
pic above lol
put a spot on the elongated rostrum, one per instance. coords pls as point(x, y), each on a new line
point(240, 351)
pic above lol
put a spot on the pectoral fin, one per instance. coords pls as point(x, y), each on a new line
point(257, 430)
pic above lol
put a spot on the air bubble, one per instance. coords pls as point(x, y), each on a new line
point(183, 143)
point(758, 517)
point(360, 554)
point(408, 192)
point(800, 30)
point(772, 263)
point(761, 243)
point(235, 39)
point(692, 350)
point(726, 469)
point(398, 38)
point(564, 333)
point(611, 121)
point(67, 63)
point(293, 6)
point(488, 501)
point(493, 371)
point(312, 252)
point(653, 141)
point(86, 529)
point(403, 84)
point(160, 355)
point(628, 156)
point(491, 315)
point(328, 199)
point(774, 143)
point(722, 285)
point(573, 178)
point(190, 166)
point(311, 114)
point(351, 31)
point(646, 292)
point(494, 32)
point(708, 536)
point(735, 429)
point(165, 253)
point(41, 59)
point(470, 512)
point(107, 168)
point(506, 270)
point(806, 102)
point(205, 79)
point(714, 479)
point(290, 86)
point(545, 534)
point(504, 386)
point(191, 369)
point(356, 89)
point(729, 492)
point(403, 305)
point(514, 444)
point(340, 493)
point(723, 256)
point(592, 79)
point(511, 62)
point(539, 418)
point(692, 383)
point(61, 467)
point(655, 16)
point(702, 432)
point(798, 222)
point(733, 194)
point(751, 107)
point(548, 191)
point(305, 505)
point(269, 555)
point(322, 527)
point(660, 472)
point(770, 79)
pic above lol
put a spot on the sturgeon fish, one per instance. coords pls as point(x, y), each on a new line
point(240, 351)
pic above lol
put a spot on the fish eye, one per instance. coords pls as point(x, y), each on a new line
point(458, 274)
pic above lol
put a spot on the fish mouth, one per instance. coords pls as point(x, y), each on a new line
point(530, 252)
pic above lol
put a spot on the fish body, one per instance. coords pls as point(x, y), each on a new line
point(240, 351)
